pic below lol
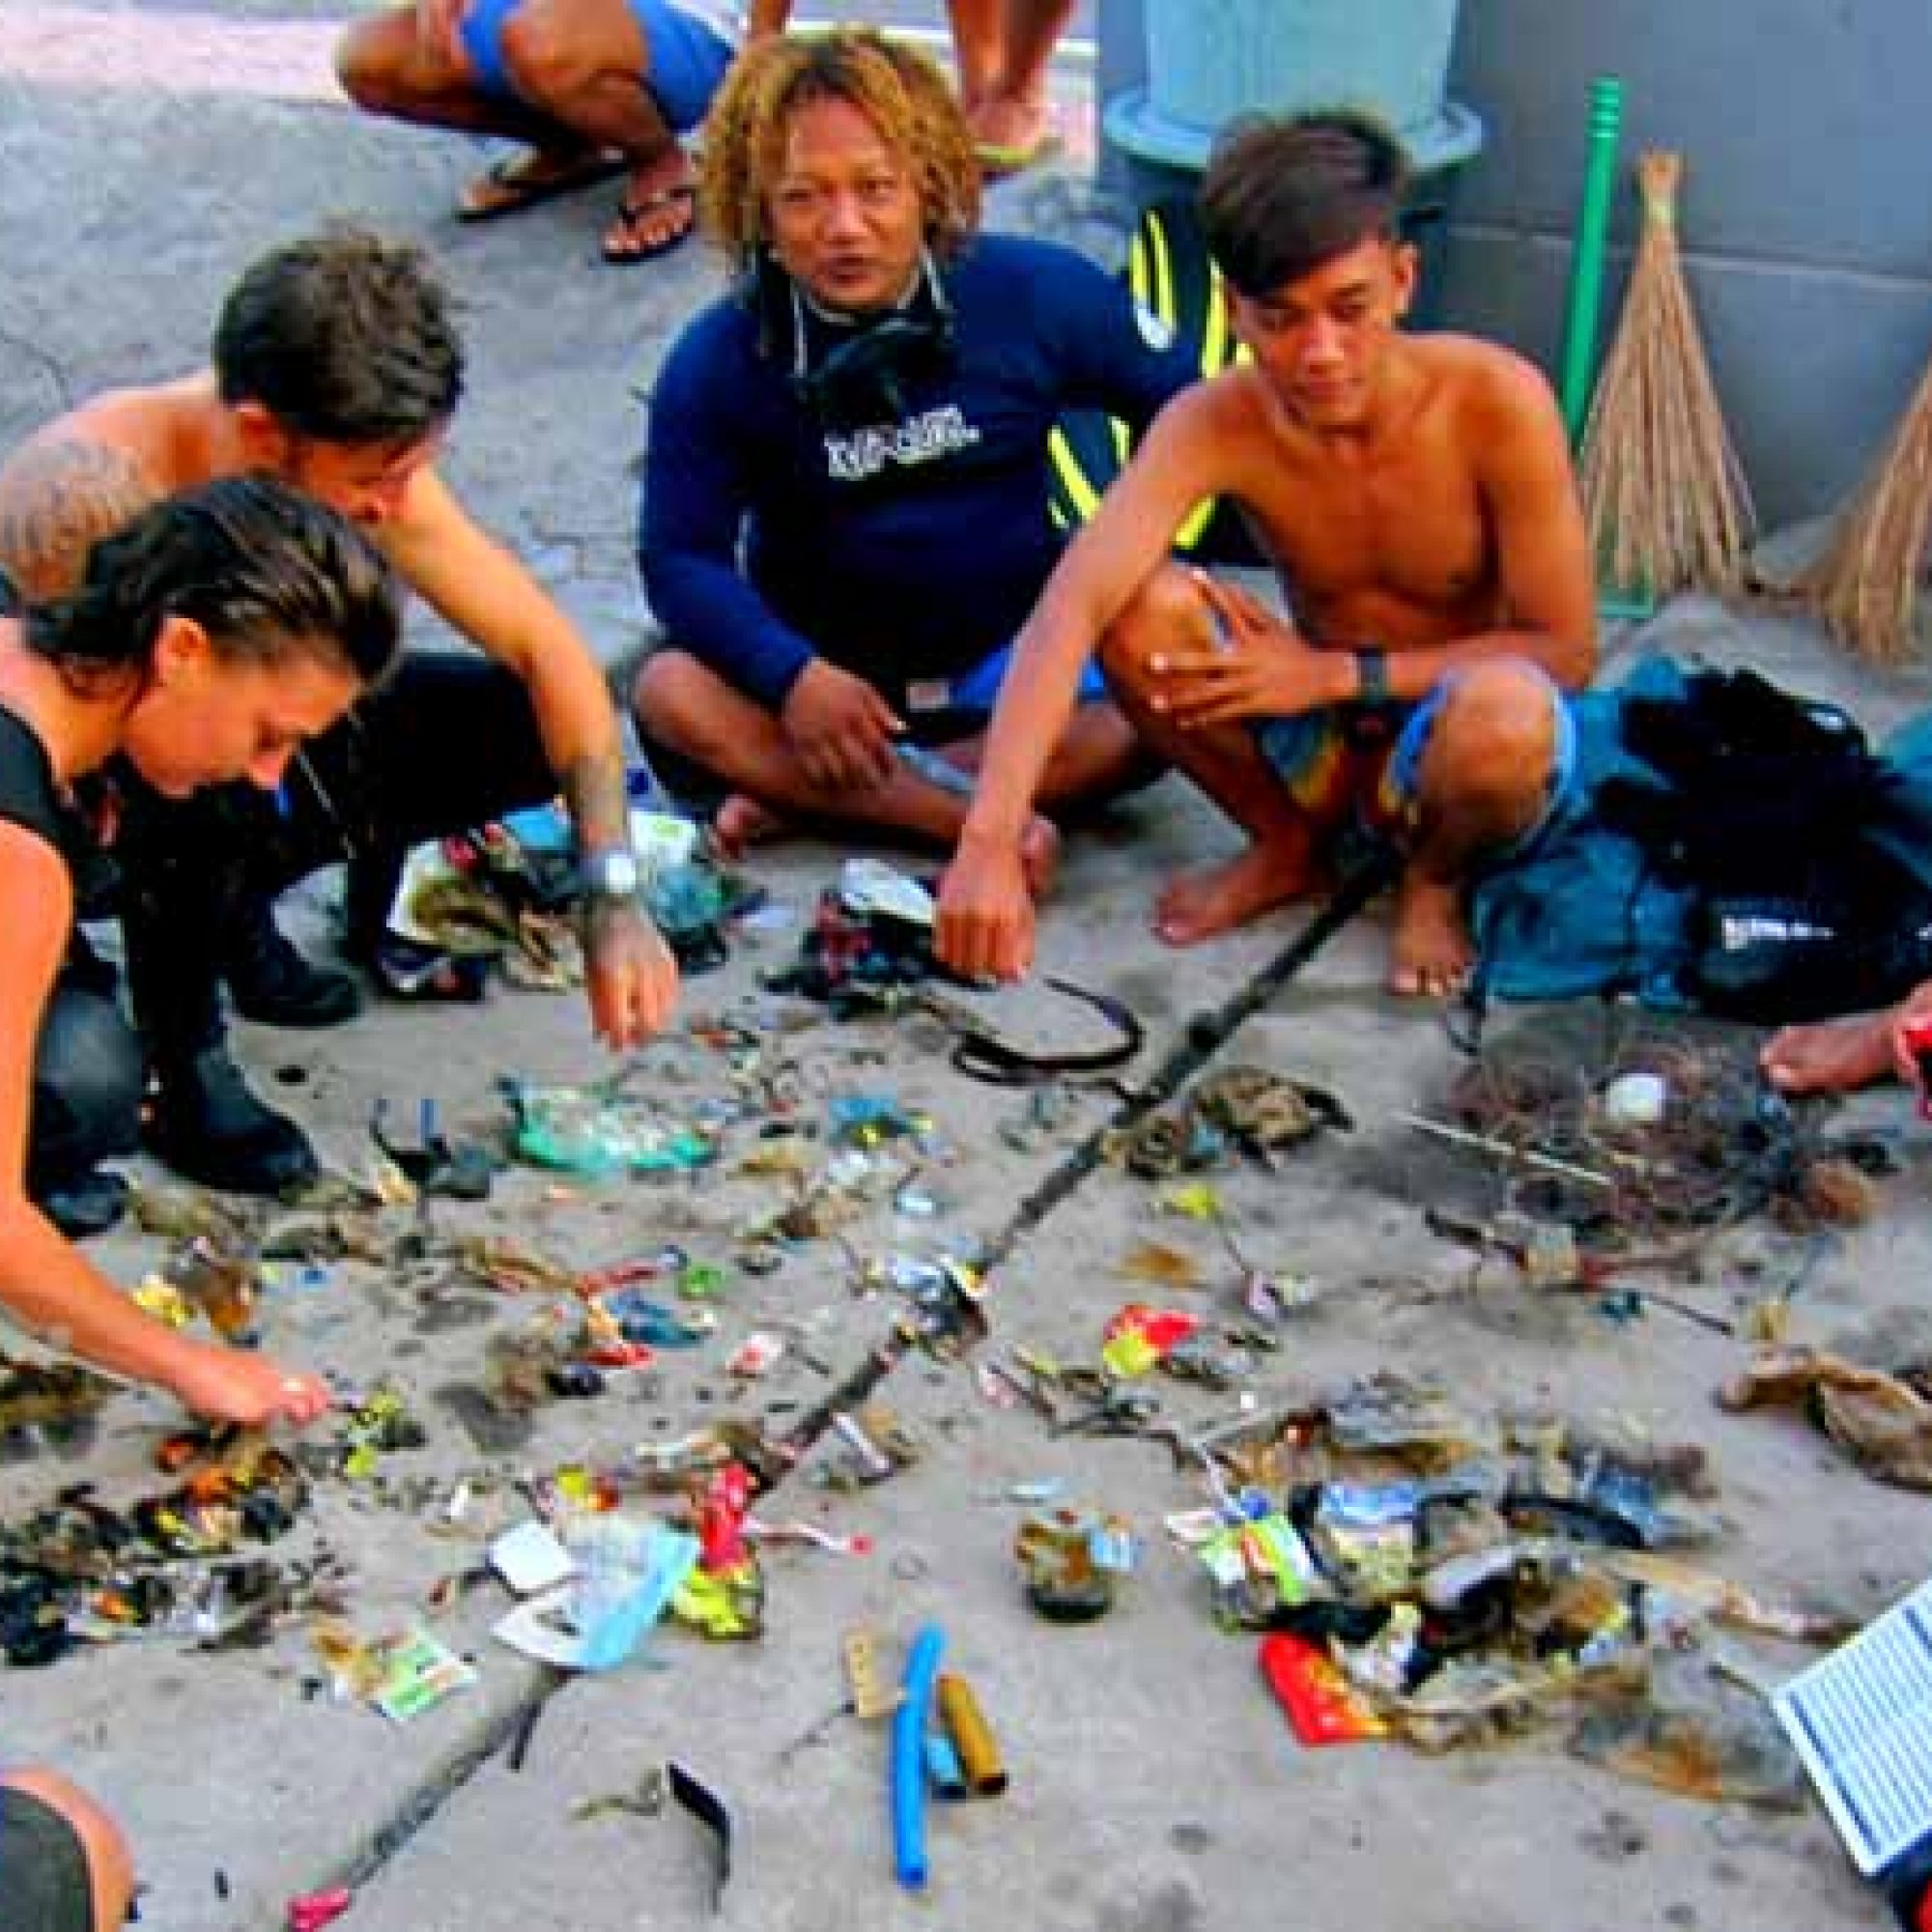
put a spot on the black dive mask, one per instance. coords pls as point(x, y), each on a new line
point(855, 375)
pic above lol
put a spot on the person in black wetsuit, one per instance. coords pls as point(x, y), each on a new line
point(207, 642)
point(845, 515)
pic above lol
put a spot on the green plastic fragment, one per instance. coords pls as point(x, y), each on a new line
point(587, 1130)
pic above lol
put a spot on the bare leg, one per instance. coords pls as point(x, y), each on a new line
point(1003, 48)
point(1099, 756)
point(979, 47)
point(578, 68)
point(584, 63)
point(1831, 1056)
point(1484, 778)
point(695, 713)
point(387, 67)
point(1280, 862)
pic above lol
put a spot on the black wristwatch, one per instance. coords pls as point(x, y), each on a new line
point(1372, 677)
point(610, 873)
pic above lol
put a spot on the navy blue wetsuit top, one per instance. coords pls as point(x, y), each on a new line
point(908, 550)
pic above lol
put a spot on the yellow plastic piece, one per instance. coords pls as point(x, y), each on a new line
point(972, 1736)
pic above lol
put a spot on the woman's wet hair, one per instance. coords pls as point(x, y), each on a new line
point(344, 337)
point(269, 575)
point(1281, 198)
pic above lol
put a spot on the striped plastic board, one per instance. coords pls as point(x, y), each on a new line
point(1862, 1721)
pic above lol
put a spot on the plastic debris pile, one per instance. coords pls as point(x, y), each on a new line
point(175, 1563)
point(869, 944)
point(1427, 1575)
point(1251, 1111)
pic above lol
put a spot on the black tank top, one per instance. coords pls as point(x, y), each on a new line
point(28, 797)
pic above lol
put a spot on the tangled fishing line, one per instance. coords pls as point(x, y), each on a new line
point(1714, 1145)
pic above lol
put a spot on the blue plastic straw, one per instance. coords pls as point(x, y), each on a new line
point(910, 1724)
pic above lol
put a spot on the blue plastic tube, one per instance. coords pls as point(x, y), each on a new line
point(910, 1724)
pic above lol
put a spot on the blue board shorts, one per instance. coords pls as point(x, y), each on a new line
point(939, 709)
point(687, 58)
point(1355, 769)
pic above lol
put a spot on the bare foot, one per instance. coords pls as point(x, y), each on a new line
point(659, 211)
point(1432, 950)
point(1039, 857)
point(1831, 1056)
point(742, 822)
point(1202, 904)
point(1012, 132)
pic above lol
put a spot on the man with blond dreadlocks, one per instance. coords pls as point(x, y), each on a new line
point(846, 495)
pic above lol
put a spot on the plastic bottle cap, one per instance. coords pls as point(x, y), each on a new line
point(1636, 1099)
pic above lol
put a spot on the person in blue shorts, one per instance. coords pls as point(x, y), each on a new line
point(846, 492)
point(64, 1864)
point(595, 88)
point(1435, 608)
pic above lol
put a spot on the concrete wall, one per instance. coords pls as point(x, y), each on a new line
point(1806, 218)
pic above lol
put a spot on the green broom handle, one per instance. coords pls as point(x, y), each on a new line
point(1586, 265)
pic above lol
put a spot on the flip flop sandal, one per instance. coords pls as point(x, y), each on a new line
point(523, 181)
point(998, 162)
point(631, 213)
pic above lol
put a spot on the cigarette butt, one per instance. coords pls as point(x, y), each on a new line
point(971, 1737)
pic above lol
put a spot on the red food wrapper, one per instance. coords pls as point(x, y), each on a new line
point(1322, 1707)
point(721, 1518)
point(1139, 1336)
point(317, 1909)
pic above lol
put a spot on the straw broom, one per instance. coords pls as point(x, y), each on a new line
point(1667, 502)
point(1867, 583)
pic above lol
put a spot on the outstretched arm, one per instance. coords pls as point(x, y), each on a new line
point(45, 1283)
point(985, 913)
point(487, 595)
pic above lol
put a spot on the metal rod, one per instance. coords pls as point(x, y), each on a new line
point(1503, 1150)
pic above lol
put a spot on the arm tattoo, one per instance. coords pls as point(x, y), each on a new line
point(57, 500)
point(594, 794)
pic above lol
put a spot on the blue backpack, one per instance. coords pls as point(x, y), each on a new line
point(1727, 847)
